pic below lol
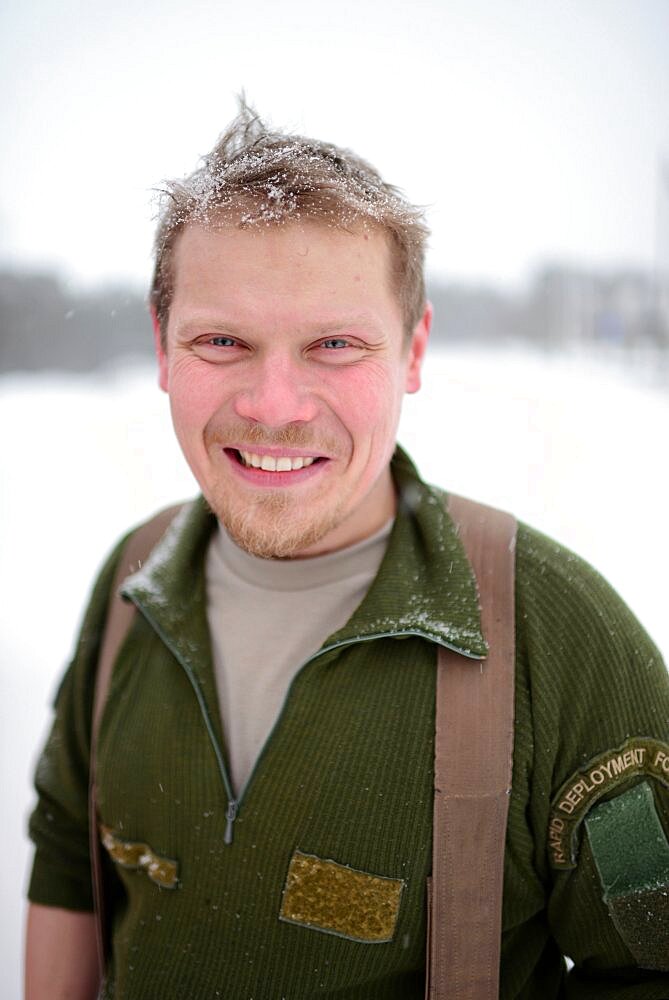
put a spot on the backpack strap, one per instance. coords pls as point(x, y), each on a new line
point(472, 772)
point(120, 614)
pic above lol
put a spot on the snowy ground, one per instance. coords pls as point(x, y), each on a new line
point(574, 447)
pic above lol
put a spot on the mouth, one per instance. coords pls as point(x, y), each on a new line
point(277, 463)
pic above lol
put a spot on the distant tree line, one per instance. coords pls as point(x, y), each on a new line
point(45, 325)
point(562, 307)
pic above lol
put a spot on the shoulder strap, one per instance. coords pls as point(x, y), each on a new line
point(119, 619)
point(472, 773)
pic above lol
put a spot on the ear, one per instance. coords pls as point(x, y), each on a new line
point(417, 348)
point(161, 355)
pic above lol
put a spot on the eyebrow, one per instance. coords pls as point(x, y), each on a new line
point(315, 329)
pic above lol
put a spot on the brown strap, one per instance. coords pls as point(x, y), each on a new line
point(473, 762)
point(119, 618)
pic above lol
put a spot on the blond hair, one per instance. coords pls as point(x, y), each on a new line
point(258, 176)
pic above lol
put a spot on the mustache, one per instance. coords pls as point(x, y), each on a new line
point(289, 436)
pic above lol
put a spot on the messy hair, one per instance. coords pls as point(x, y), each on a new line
point(257, 176)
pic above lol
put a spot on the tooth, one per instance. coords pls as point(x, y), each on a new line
point(247, 457)
point(298, 463)
point(268, 463)
point(283, 465)
point(307, 461)
point(255, 461)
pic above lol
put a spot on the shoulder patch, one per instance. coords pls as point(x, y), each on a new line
point(631, 854)
point(639, 756)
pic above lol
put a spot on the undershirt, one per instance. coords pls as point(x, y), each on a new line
point(266, 618)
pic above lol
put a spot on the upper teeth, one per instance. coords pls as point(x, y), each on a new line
point(271, 464)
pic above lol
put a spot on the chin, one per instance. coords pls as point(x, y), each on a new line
point(273, 527)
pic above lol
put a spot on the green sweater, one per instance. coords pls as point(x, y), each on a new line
point(313, 884)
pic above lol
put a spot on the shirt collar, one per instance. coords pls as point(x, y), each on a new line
point(425, 585)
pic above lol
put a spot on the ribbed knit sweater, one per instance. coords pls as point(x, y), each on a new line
point(320, 890)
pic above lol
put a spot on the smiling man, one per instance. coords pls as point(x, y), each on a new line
point(285, 358)
point(260, 745)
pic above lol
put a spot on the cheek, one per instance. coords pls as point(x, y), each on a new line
point(194, 396)
point(364, 398)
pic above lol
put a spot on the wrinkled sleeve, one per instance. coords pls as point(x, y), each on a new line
point(600, 710)
point(58, 825)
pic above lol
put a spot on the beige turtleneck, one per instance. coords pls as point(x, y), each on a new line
point(266, 618)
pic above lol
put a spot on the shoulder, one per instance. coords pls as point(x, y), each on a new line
point(592, 675)
point(542, 561)
point(565, 603)
point(126, 554)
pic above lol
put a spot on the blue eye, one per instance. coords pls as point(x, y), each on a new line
point(335, 343)
point(222, 342)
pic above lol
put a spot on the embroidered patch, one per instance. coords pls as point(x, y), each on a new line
point(631, 854)
point(637, 756)
point(140, 857)
point(336, 899)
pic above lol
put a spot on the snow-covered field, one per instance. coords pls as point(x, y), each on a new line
point(574, 447)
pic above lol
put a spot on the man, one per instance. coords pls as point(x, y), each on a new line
point(264, 762)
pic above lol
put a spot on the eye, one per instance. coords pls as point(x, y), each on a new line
point(219, 348)
point(335, 343)
point(222, 342)
point(338, 351)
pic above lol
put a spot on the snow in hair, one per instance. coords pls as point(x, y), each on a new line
point(255, 176)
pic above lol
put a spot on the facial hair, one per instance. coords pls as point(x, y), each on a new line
point(271, 523)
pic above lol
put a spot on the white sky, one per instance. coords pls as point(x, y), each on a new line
point(533, 128)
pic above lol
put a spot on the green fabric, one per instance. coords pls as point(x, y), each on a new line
point(637, 756)
point(628, 843)
point(345, 776)
point(631, 853)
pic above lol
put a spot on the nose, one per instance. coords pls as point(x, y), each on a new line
point(276, 393)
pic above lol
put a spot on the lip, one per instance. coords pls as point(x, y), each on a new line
point(276, 480)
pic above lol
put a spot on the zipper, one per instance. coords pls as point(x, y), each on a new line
point(234, 803)
point(220, 760)
point(230, 817)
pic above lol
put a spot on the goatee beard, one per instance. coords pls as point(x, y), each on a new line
point(272, 526)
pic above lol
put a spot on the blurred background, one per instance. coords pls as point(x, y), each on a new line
point(536, 133)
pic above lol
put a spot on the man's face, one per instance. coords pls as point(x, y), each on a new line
point(286, 364)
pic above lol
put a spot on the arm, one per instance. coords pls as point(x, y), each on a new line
point(61, 947)
point(598, 686)
point(61, 955)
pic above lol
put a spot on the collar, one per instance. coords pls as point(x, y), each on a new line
point(424, 587)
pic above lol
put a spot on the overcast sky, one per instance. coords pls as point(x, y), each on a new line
point(532, 129)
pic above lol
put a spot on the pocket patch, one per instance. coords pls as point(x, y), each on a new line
point(333, 898)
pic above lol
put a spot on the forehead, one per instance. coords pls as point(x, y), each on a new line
point(307, 263)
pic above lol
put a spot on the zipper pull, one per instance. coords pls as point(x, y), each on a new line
point(230, 815)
